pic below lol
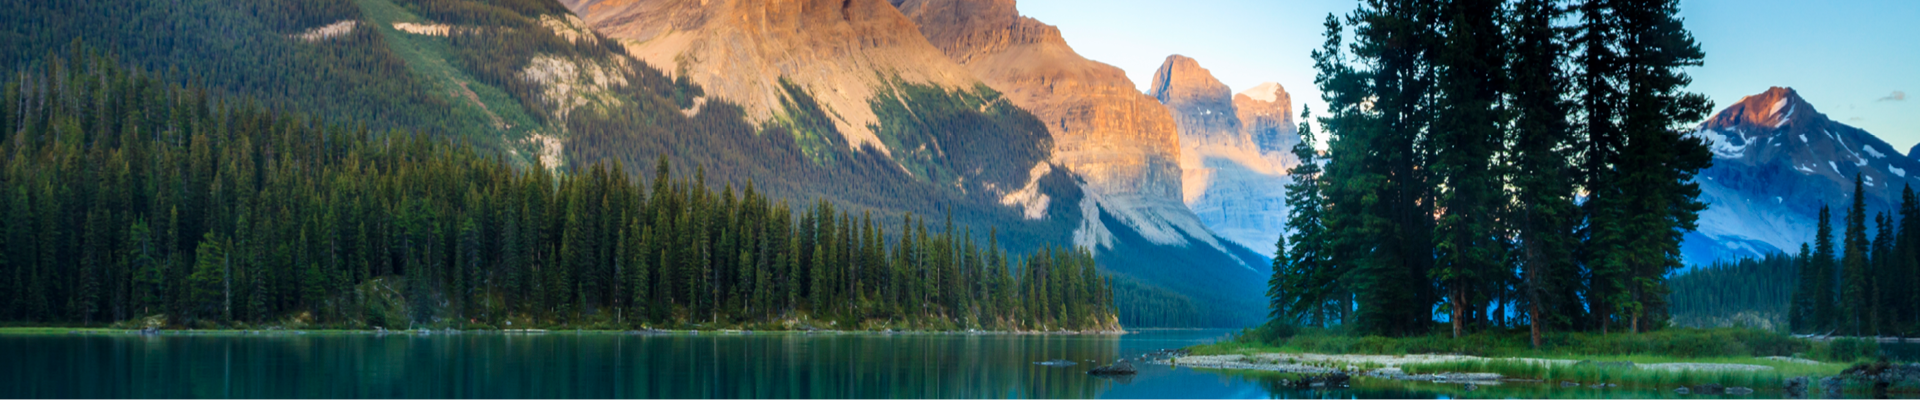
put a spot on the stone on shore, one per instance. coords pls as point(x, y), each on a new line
point(1121, 367)
point(1796, 388)
point(1830, 387)
point(1709, 389)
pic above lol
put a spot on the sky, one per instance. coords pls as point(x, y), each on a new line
point(1857, 61)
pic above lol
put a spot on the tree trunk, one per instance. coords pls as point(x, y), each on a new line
point(1533, 318)
point(1459, 306)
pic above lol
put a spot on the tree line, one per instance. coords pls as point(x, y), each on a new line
point(1752, 292)
point(125, 197)
point(1494, 164)
point(1863, 285)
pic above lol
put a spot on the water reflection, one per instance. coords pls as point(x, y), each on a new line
point(564, 365)
point(611, 365)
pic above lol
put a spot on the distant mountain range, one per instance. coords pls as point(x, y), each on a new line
point(1777, 160)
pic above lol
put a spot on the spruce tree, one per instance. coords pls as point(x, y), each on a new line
point(1800, 314)
point(1541, 172)
point(1304, 281)
point(1855, 290)
point(1826, 312)
point(1468, 131)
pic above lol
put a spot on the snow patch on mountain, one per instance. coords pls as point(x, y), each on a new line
point(1897, 171)
point(1870, 151)
point(1722, 145)
point(1267, 92)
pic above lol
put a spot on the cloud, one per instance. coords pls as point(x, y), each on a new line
point(1856, 119)
point(1896, 96)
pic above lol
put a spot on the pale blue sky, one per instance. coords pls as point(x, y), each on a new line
point(1843, 56)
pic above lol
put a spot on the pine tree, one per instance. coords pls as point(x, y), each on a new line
point(1905, 266)
point(1879, 262)
point(1800, 314)
point(209, 272)
point(1825, 309)
point(1541, 172)
point(147, 285)
point(1855, 292)
point(1304, 281)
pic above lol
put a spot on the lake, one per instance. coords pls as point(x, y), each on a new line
point(616, 365)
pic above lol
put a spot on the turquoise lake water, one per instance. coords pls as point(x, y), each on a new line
point(616, 365)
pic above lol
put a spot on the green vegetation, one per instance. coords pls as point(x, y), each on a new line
point(1638, 377)
point(1665, 343)
point(944, 129)
point(1459, 134)
point(1505, 348)
point(1750, 293)
point(1868, 290)
point(126, 197)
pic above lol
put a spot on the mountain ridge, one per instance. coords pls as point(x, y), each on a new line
point(1235, 151)
point(1777, 159)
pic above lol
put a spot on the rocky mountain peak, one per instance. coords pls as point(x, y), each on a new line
point(1266, 112)
point(1773, 108)
point(1270, 92)
point(1123, 142)
point(969, 29)
point(1776, 161)
point(1181, 82)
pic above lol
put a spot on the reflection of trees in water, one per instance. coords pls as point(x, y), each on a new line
point(563, 365)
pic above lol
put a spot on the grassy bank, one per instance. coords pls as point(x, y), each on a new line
point(1666, 344)
point(1511, 354)
point(1639, 377)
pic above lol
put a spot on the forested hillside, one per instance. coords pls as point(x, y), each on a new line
point(1859, 282)
point(128, 197)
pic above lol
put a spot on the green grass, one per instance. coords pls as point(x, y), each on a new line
point(1670, 344)
point(1637, 376)
point(1677, 345)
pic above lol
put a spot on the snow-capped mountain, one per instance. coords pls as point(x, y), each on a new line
point(1777, 160)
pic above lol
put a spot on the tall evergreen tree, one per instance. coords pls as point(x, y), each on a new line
point(1800, 314)
point(1304, 280)
point(1826, 310)
point(1541, 173)
point(1855, 291)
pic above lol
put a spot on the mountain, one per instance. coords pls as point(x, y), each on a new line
point(505, 77)
point(846, 52)
point(935, 94)
point(1234, 151)
point(1777, 160)
point(1124, 144)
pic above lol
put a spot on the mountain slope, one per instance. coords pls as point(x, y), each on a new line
point(1777, 160)
point(1123, 143)
point(500, 75)
point(846, 52)
point(1234, 151)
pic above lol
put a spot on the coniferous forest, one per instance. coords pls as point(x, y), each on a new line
point(126, 197)
point(1859, 283)
point(1493, 164)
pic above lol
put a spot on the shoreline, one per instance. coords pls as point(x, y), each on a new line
point(1460, 369)
point(24, 331)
